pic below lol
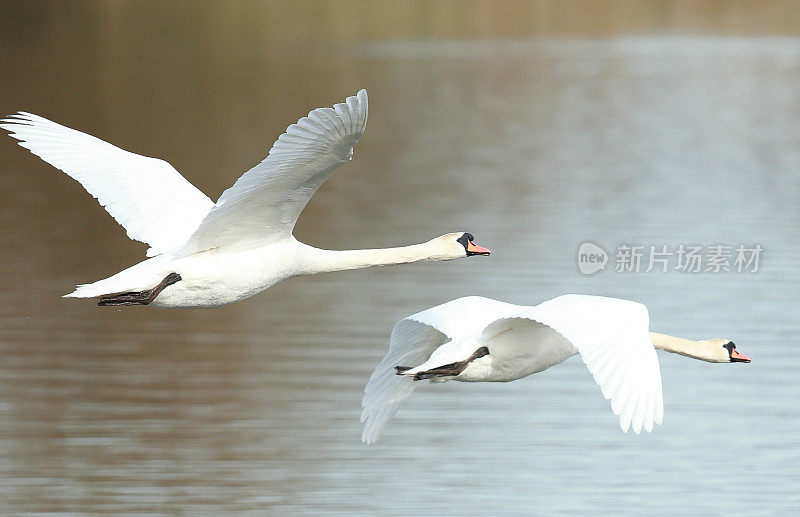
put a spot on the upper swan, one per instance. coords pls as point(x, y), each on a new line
point(209, 254)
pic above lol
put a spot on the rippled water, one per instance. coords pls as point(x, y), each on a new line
point(534, 147)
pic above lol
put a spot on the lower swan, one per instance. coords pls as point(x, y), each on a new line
point(477, 339)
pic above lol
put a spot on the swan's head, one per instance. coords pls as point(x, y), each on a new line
point(457, 245)
point(734, 356)
point(724, 351)
point(468, 242)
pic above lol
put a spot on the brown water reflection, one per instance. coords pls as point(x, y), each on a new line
point(503, 121)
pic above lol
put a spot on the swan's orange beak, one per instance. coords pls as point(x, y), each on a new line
point(736, 356)
point(474, 249)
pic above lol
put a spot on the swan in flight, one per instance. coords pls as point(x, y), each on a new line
point(477, 339)
point(207, 254)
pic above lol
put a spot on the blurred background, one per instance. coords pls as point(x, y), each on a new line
point(536, 126)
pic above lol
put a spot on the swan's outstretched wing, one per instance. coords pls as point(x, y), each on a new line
point(613, 340)
point(412, 342)
point(265, 202)
point(147, 196)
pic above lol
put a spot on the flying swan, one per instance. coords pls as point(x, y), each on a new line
point(476, 339)
point(207, 254)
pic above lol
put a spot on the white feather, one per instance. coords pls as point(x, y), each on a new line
point(412, 341)
point(616, 331)
point(147, 196)
point(156, 205)
point(611, 336)
point(265, 202)
point(224, 252)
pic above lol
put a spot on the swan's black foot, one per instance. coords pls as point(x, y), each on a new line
point(447, 370)
point(141, 297)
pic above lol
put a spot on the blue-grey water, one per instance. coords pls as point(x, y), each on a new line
point(534, 146)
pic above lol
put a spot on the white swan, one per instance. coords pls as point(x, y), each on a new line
point(206, 254)
point(476, 339)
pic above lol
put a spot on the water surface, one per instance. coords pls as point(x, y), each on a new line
point(534, 146)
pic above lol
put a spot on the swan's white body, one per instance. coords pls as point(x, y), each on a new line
point(238, 246)
point(217, 277)
point(611, 336)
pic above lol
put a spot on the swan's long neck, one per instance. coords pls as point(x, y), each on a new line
point(321, 261)
point(695, 349)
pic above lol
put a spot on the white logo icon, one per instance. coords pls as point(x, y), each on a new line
point(591, 258)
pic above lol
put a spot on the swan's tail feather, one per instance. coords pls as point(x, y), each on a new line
point(76, 293)
point(134, 279)
point(93, 290)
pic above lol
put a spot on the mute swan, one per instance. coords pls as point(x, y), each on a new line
point(476, 339)
point(206, 254)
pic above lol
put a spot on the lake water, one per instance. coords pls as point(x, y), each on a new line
point(534, 146)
